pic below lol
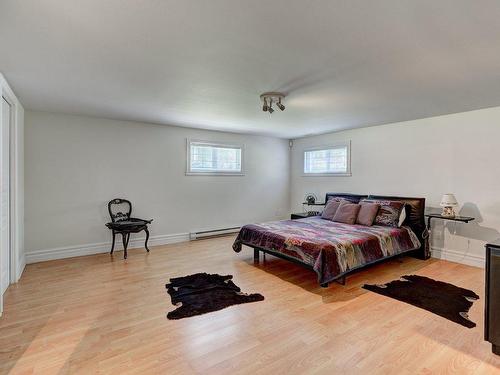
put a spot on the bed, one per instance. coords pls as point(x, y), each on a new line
point(334, 250)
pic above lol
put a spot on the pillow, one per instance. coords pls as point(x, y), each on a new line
point(367, 213)
point(389, 212)
point(402, 217)
point(331, 207)
point(346, 213)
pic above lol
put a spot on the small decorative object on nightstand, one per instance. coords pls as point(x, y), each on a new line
point(448, 202)
point(310, 198)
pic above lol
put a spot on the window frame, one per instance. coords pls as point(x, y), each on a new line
point(189, 172)
point(328, 147)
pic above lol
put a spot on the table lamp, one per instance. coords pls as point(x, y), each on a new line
point(448, 202)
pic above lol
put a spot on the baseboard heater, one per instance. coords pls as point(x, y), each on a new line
point(212, 233)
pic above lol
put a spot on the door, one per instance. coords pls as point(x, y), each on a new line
point(5, 248)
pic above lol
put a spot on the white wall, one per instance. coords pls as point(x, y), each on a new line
point(457, 153)
point(76, 164)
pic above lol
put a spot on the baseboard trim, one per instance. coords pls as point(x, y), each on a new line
point(458, 257)
point(102, 247)
point(20, 268)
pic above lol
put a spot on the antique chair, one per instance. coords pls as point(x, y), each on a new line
point(121, 223)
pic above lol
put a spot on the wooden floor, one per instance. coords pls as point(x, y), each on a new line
point(101, 314)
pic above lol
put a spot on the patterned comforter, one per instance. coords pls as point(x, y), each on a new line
point(330, 248)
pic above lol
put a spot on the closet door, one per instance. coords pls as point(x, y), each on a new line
point(5, 248)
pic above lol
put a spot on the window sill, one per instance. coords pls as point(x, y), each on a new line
point(327, 175)
point(213, 174)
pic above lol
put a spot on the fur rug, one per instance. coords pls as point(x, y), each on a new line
point(443, 299)
point(202, 293)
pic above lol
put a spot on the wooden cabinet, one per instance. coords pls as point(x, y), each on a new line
point(492, 296)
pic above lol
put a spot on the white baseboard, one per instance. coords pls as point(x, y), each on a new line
point(458, 257)
point(20, 268)
point(103, 247)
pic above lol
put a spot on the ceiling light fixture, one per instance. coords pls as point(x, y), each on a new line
point(280, 106)
point(270, 97)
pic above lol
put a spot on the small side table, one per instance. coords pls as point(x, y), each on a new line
point(463, 219)
point(299, 215)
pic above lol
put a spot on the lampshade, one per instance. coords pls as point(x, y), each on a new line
point(448, 200)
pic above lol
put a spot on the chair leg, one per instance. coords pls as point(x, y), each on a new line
point(125, 237)
point(147, 238)
point(113, 243)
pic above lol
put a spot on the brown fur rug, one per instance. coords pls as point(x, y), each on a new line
point(202, 293)
point(443, 299)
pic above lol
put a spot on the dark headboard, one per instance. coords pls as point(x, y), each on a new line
point(415, 219)
point(415, 208)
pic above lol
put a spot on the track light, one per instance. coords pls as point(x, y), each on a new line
point(270, 110)
point(265, 107)
point(280, 106)
point(269, 97)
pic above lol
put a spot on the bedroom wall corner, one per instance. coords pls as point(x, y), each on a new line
point(456, 153)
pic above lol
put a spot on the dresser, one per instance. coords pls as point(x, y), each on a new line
point(492, 296)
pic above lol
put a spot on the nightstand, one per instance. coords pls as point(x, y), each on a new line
point(430, 216)
point(299, 215)
point(463, 219)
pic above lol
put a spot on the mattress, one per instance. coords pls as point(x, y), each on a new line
point(331, 249)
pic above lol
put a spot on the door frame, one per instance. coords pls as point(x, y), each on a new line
point(13, 264)
point(16, 141)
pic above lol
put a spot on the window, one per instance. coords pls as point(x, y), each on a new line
point(207, 158)
point(332, 160)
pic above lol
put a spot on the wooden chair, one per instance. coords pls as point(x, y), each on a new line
point(120, 211)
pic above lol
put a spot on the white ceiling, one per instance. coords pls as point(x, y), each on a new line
point(200, 63)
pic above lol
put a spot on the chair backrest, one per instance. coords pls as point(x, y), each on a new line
point(119, 209)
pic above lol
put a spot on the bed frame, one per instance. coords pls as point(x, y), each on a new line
point(415, 219)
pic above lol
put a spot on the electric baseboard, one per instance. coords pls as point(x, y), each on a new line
point(213, 233)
